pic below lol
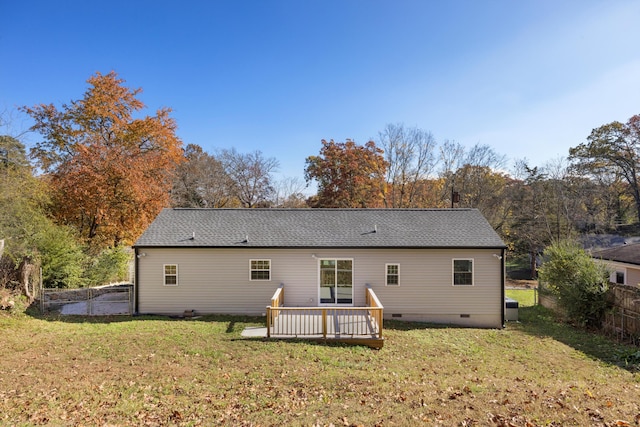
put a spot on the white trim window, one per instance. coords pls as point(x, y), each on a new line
point(170, 274)
point(260, 269)
point(392, 274)
point(463, 272)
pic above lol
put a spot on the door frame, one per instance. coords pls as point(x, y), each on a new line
point(335, 304)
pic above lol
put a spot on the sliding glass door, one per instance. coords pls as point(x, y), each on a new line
point(336, 281)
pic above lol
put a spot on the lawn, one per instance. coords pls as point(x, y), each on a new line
point(525, 297)
point(157, 371)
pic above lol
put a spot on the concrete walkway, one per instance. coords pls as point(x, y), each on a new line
point(254, 332)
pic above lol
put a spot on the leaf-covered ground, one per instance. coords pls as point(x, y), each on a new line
point(156, 371)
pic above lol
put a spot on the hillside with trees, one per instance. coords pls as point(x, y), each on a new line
point(101, 171)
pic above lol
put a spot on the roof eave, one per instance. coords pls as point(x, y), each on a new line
point(316, 247)
point(618, 261)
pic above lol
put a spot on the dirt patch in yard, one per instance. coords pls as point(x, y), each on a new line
point(521, 284)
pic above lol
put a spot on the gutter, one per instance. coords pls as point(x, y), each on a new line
point(318, 247)
point(502, 279)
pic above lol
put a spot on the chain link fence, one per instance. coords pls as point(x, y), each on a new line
point(105, 300)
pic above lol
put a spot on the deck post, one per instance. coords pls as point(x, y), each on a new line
point(268, 322)
point(324, 323)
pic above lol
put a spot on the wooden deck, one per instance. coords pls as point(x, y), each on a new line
point(354, 325)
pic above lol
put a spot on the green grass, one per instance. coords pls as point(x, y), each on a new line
point(525, 297)
point(156, 371)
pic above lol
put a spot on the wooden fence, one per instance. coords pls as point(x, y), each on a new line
point(623, 320)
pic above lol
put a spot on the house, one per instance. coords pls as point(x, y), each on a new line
point(623, 262)
point(433, 265)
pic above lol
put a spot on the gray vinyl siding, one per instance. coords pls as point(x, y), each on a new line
point(217, 281)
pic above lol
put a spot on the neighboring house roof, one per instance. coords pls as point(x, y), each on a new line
point(629, 254)
point(327, 228)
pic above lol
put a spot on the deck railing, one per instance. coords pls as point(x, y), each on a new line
point(325, 322)
point(277, 301)
point(375, 307)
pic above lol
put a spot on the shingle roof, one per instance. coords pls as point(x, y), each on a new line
point(335, 228)
point(629, 254)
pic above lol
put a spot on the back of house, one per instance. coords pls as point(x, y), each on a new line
point(623, 262)
point(433, 265)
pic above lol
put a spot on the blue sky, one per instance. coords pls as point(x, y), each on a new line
point(528, 78)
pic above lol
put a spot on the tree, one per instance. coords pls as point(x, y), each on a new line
point(460, 166)
point(201, 181)
point(475, 176)
point(33, 240)
point(251, 176)
point(410, 157)
point(577, 280)
point(13, 154)
point(429, 193)
point(608, 203)
point(348, 175)
point(23, 200)
point(483, 188)
point(612, 147)
point(289, 193)
point(564, 201)
point(110, 173)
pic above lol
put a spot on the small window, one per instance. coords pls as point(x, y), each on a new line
point(393, 274)
point(620, 277)
point(462, 272)
point(260, 269)
point(171, 274)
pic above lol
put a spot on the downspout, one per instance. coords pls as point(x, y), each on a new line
point(135, 283)
point(502, 279)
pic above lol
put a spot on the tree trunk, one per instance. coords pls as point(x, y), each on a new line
point(636, 196)
point(533, 258)
point(25, 270)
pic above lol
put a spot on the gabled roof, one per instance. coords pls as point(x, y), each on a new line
point(321, 228)
point(629, 254)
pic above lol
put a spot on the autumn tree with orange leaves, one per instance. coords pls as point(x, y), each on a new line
point(348, 175)
point(109, 170)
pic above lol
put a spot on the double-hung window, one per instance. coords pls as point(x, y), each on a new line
point(260, 269)
point(393, 275)
point(171, 274)
point(463, 272)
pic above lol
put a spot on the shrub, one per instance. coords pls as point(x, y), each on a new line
point(61, 256)
point(579, 283)
point(111, 265)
